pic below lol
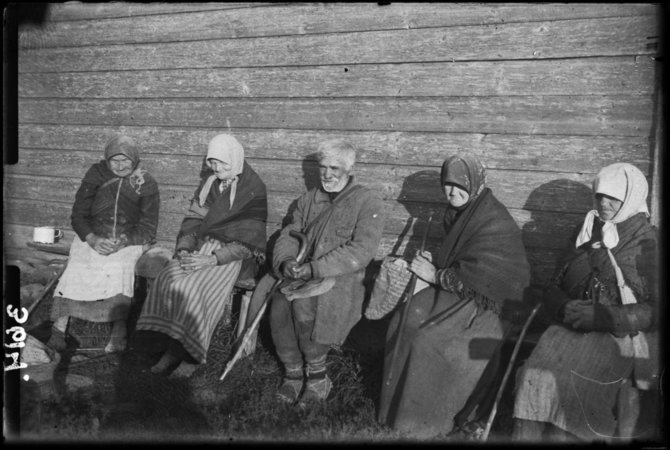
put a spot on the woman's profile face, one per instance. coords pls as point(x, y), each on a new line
point(607, 206)
point(221, 169)
point(456, 195)
point(120, 165)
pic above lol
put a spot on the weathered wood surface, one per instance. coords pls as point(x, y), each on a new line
point(543, 94)
point(542, 226)
point(511, 41)
point(221, 20)
point(41, 147)
point(73, 11)
point(574, 115)
point(607, 76)
point(178, 178)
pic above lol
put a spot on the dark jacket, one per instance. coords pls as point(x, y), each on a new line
point(136, 206)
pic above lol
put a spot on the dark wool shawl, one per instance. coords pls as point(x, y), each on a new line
point(484, 248)
point(136, 213)
point(585, 267)
point(244, 223)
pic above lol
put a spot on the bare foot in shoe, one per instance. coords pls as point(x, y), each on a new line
point(116, 345)
point(167, 360)
point(184, 370)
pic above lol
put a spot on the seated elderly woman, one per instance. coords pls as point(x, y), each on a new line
point(480, 265)
point(114, 217)
point(568, 387)
point(221, 238)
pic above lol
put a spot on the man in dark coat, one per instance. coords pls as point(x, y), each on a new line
point(343, 224)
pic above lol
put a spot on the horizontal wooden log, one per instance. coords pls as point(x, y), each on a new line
point(593, 76)
point(78, 11)
point(562, 115)
point(109, 24)
point(582, 154)
point(538, 40)
point(406, 184)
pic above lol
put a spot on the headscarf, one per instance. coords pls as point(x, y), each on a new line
point(227, 149)
point(626, 183)
point(465, 172)
point(120, 144)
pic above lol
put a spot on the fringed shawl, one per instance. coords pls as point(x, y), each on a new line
point(484, 247)
point(244, 223)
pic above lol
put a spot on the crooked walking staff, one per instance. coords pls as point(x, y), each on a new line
point(508, 371)
point(302, 253)
point(405, 307)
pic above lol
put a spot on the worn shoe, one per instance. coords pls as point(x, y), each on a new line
point(316, 391)
point(289, 391)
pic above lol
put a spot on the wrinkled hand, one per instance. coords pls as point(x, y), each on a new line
point(579, 314)
point(196, 261)
point(302, 272)
point(287, 267)
point(423, 267)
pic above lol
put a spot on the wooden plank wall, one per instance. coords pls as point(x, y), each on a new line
point(544, 94)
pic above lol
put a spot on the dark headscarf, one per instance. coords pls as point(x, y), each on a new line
point(483, 242)
point(122, 145)
point(465, 172)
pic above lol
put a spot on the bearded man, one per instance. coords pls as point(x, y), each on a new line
point(343, 223)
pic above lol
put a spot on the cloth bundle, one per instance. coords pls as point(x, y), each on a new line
point(389, 288)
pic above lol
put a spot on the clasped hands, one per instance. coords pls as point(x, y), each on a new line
point(106, 246)
point(579, 314)
point(191, 262)
point(293, 270)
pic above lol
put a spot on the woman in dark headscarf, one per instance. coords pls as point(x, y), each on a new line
point(222, 238)
point(454, 322)
point(114, 216)
point(563, 394)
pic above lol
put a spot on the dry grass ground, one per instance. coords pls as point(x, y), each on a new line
point(125, 402)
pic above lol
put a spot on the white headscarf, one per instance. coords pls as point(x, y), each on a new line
point(227, 149)
point(626, 183)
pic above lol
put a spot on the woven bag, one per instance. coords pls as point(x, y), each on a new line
point(389, 288)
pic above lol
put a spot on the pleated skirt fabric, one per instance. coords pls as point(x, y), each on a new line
point(188, 306)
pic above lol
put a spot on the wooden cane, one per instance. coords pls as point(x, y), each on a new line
point(302, 253)
point(405, 309)
point(517, 346)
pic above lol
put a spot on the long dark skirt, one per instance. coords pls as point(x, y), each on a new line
point(437, 367)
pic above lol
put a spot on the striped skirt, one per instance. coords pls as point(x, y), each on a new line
point(572, 379)
point(188, 306)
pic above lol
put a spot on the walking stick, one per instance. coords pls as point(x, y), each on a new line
point(517, 346)
point(302, 252)
point(405, 309)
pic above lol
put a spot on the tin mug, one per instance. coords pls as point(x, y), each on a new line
point(47, 235)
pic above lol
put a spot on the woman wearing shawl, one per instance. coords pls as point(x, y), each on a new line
point(114, 217)
point(221, 238)
point(567, 394)
point(480, 266)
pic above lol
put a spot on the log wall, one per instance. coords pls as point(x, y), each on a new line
point(544, 94)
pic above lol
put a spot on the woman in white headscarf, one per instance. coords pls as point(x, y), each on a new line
point(114, 217)
point(569, 387)
point(222, 238)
